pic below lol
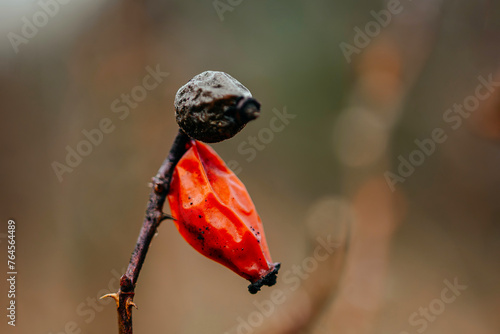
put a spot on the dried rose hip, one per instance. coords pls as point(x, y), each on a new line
point(214, 106)
point(215, 215)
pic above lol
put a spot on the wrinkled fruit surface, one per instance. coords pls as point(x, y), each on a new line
point(216, 216)
point(213, 106)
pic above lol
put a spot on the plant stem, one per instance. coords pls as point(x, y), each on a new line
point(224, 120)
point(154, 216)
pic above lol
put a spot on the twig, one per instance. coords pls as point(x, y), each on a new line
point(220, 111)
point(154, 216)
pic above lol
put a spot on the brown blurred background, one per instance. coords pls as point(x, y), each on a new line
point(324, 174)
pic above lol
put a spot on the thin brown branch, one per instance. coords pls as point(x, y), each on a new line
point(154, 216)
point(224, 109)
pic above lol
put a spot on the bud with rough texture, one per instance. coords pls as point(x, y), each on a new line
point(213, 106)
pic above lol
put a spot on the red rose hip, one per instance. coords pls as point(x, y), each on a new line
point(216, 216)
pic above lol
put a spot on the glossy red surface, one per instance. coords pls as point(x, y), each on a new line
point(215, 214)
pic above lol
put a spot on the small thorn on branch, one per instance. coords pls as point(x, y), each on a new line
point(114, 296)
point(131, 303)
point(165, 216)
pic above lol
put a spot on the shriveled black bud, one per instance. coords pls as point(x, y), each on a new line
point(214, 106)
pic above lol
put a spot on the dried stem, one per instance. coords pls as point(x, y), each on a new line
point(154, 216)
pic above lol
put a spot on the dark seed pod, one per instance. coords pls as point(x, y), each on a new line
point(214, 106)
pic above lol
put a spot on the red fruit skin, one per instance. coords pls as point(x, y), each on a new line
point(216, 216)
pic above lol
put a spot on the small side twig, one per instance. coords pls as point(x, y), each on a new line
point(154, 216)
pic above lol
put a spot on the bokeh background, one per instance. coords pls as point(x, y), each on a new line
point(323, 176)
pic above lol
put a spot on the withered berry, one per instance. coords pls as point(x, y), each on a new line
point(214, 106)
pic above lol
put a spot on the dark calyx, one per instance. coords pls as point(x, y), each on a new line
point(269, 280)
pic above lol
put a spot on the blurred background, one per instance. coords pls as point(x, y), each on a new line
point(379, 135)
